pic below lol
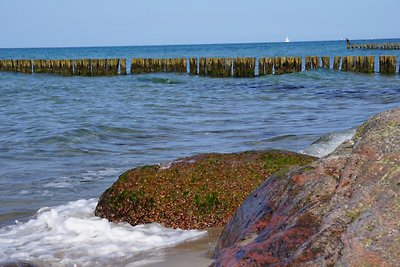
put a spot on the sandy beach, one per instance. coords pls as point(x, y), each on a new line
point(197, 253)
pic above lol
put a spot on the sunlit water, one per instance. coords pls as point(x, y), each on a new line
point(66, 139)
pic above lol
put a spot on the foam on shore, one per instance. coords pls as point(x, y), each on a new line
point(71, 235)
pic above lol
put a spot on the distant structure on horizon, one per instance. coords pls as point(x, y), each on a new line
point(287, 39)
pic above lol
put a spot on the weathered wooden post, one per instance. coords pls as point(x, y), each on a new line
point(146, 65)
point(344, 64)
point(25, 66)
point(218, 64)
point(312, 62)
point(134, 66)
point(244, 67)
point(250, 67)
point(228, 67)
point(261, 66)
point(3, 65)
point(12, 65)
point(308, 63)
point(326, 62)
point(122, 66)
point(183, 65)
point(18, 65)
point(278, 66)
point(315, 62)
point(202, 66)
point(169, 65)
point(387, 64)
point(289, 65)
point(141, 66)
point(348, 63)
point(83, 67)
point(162, 64)
point(37, 66)
point(218, 67)
point(359, 64)
point(150, 65)
point(138, 66)
point(112, 65)
point(267, 66)
point(370, 64)
point(7, 63)
point(49, 66)
point(193, 66)
point(209, 67)
point(237, 67)
point(97, 67)
point(298, 64)
point(64, 67)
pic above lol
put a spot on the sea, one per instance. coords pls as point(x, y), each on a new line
point(65, 140)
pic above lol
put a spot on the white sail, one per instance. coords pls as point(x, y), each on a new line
point(287, 39)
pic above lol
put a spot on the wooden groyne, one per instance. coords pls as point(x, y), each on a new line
point(151, 65)
point(66, 67)
point(283, 65)
point(208, 67)
point(385, 46)
point(387, 64)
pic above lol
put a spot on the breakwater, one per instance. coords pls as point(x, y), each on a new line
point(384, 46)
point(209, 67)
point(66, 67)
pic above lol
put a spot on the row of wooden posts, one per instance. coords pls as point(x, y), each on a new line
point(210, 67)
point(245, 67)
point(67, 67)
point(386, 46)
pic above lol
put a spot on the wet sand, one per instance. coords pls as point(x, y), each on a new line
point(195, 253)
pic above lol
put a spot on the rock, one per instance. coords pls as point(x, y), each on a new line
point(342, 210)
point(192, 193)
point(16, 264)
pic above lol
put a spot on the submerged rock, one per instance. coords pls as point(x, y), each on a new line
point(342, 210)
point(16, 264)
point(192, 193)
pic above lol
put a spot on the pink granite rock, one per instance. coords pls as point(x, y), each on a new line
point(342, 210)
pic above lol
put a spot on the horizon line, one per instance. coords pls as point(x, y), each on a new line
point(196, 44)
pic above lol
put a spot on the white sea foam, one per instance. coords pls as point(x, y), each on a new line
point(328, 143)
point(71, 235)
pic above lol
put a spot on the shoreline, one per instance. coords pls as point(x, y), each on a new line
point(198, 252)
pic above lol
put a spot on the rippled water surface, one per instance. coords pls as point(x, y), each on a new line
point(68, 138)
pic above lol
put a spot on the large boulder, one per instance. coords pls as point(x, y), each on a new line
point(192, 193)
point(342, 210)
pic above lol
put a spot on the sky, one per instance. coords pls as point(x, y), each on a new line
point(66, 23)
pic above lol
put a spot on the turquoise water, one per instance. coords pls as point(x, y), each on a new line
point(68, 138)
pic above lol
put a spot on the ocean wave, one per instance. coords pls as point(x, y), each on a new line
point(159, 80)
point(326, 144)
point(71, 235)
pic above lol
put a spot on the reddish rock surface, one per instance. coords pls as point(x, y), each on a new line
point(342, 210)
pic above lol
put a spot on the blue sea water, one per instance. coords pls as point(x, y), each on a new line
point(66, 139)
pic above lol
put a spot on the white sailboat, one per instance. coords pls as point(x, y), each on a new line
point(287, 39)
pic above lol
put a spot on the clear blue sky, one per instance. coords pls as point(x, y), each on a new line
point(53, 23)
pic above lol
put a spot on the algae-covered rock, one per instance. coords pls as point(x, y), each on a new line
point(195, 192)
point(342, 210)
